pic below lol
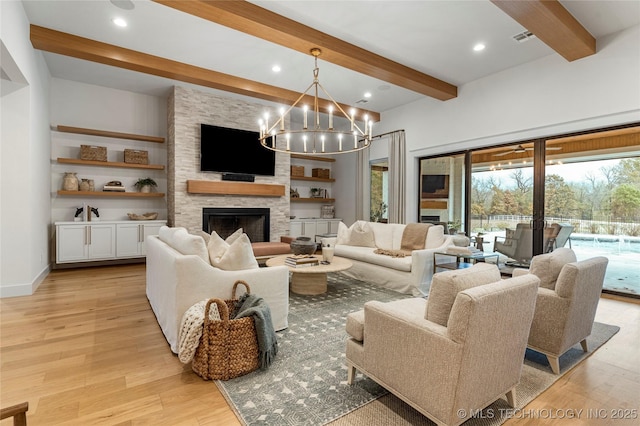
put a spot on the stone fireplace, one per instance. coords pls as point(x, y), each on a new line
point(254, 222)
point(187, 109)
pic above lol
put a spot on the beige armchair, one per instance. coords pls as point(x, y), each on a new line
point(567, 301)
point(460, 351)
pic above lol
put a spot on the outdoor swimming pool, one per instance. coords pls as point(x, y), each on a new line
point(623, 252)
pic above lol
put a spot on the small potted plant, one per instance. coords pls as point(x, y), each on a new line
point(144, 185)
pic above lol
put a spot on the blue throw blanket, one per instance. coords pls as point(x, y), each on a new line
point(251, 305)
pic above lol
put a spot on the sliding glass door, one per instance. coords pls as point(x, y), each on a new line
point(580, 191)
point(501, 210)
point(592, 187)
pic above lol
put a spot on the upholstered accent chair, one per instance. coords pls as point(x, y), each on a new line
point(566, 304)
point(461, 350)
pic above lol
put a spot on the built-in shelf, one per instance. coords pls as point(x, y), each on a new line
point(234, 188)
point(110, 164)
point(113, 194)
point(312, 200)
point(313, 158)
point(312, 179)
point(108, 134)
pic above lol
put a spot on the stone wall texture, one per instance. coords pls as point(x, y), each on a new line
point(187, 109)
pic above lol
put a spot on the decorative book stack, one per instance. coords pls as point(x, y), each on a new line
point(113, 188)
point(300, 261)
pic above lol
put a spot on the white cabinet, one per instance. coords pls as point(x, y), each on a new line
point(87, 241)
point(77, 243)
point(131, 238)
point(312, 227)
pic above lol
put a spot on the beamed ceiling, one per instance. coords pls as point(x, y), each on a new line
point(401, 51)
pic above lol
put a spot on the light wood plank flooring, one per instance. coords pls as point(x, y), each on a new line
point(86, 349)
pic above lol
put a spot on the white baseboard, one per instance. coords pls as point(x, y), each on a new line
point(26, 289)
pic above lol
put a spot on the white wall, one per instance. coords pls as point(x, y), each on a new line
point(546, 97)
point(24, 154)
point(102, 108)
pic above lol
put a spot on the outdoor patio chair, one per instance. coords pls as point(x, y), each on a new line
point(517, 244)
point(564, 236)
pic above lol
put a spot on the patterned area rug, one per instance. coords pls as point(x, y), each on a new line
point(306, 385)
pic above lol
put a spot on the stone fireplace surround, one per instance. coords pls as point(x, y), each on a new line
point(187, 108)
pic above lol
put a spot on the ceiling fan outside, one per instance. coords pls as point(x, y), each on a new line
point(520, 149)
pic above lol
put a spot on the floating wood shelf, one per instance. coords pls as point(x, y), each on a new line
point(234, 188)
point(108, 134)
point(110, 164)
point(313, 158)
point(312, 179)
point(113, 194)
point(312, 200)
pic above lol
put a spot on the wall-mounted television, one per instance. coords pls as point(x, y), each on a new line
point(228, 150)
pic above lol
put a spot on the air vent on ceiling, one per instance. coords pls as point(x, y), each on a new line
point(523, 36)
point(362, 101)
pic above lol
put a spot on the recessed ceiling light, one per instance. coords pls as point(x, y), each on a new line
point(367, 94)
point(478, 47)
point(119, 22)
point(276, 68)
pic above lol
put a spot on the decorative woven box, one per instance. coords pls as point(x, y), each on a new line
point(95, 153)
point(320, 173)
point(297, 170)
point(134, 156)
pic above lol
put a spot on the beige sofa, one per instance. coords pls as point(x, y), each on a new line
point(179, 274)
point(410, 275)
point(452, 356)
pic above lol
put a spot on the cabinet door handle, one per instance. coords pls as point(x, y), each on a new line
point(140, 233)
point(89, 234)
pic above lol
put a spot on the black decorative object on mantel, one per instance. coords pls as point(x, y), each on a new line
point(79, 211)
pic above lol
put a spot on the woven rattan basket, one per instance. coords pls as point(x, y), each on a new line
point(135, 156)
point(94, 153)
point(228, 347)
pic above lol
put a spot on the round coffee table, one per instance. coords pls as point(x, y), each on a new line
point(311, 280)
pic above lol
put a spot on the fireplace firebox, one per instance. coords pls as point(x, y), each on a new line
point(226, 220)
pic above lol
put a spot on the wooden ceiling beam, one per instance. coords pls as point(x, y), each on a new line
point(74, 46)
point(552, 24)
point(262, 23)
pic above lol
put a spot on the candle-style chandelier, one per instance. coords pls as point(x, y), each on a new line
point(315, 139)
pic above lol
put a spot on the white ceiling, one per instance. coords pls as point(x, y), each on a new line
point(434, 37)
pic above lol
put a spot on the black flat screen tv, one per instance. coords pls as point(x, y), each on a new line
point(228, 150)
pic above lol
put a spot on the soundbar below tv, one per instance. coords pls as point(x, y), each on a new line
point(227, 150)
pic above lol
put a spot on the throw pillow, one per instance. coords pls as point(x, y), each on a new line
point(435, 237)
point(166, 234)
point(231, 238)
point(231, 257)
point(361, 235)
point(188, 244)
point(446, 286)
point(547, 266)
point(205, 236)
point(343, 234)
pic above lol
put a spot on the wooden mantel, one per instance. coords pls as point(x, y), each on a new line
point(234, 188)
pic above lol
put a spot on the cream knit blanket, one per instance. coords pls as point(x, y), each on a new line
point(191, 329)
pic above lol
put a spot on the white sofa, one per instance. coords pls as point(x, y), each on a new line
point(409, 275)
point(180, 275)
